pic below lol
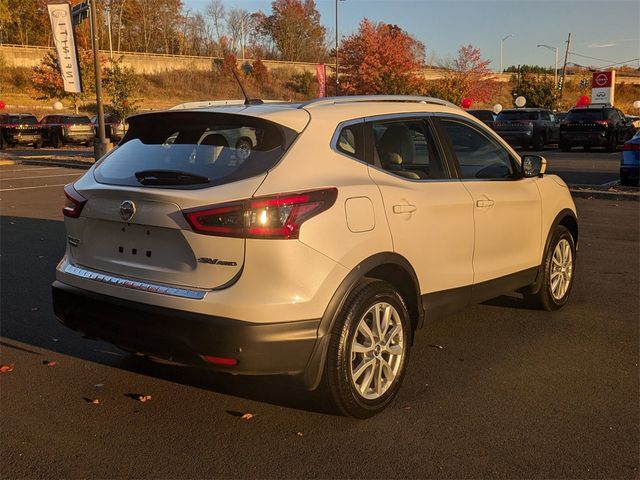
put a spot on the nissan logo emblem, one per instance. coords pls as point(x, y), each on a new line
point(601, 79)
point(127, 210)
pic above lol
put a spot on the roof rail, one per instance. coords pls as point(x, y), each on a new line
point(375, 98)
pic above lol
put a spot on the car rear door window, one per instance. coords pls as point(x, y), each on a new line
point(407, 149)
point(478, 156)
point(350, 141)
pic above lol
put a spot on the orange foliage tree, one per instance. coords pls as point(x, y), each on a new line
point(380, 59)
point(468, 76)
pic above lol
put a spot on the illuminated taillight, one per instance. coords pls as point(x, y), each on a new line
point(74, 202)
point(601, 122)
point(273, 217)
point(631, 147)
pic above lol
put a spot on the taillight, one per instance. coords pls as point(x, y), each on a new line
point(633, 147)
point(74, 202)
point(273, 217)
point(601, 122)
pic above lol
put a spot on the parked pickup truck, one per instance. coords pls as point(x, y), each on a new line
point(19, 129)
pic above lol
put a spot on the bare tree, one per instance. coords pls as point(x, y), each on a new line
point(216, 11)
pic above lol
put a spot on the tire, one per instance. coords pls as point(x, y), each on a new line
point(352, 379)
point(539, 141)
point(3, 143)
point(37, 144)
point(243, 147)
point(55, 141)
point(612, 144)
point(565, 147)
point(626, 181)
point(559, 269)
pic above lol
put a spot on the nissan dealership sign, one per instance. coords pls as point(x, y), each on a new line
point(603, 86)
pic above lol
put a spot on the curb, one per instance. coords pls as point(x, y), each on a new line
point(590, 193)
point(55, 163)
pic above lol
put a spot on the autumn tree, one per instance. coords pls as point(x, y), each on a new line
point(47, 80)
point(24, 22)
point(537, 89)
point(121, 85)
point(380, 59)
point(468, 76)
point(295, 28)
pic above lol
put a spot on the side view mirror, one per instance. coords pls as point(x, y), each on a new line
point(533, 166)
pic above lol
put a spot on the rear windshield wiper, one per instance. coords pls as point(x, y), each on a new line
point(169, 177)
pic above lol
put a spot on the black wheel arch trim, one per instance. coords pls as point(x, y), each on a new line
point(560, 217)
point(313, 373)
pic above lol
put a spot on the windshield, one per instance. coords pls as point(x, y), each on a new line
point(585, 114)
point(193, 150)
point(516, 115)
point(23, 119)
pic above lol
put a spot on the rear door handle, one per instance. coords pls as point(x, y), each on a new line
point(484, 203)
point(404, 208)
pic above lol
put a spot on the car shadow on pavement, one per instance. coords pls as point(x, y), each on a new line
point(30, 249)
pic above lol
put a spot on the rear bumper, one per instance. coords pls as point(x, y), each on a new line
point(584, 138)
point(23, 138)
point(79, 137)
point(260, 349)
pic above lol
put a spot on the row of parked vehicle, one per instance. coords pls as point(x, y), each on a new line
point(55, 130)
point(587, 127)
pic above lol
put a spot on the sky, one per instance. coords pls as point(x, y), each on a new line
point(608, 30)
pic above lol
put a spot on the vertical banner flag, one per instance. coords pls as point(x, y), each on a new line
point(322, 80)
point(603, 86)
point(60, 15)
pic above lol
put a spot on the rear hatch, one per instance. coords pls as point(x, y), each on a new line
point(23, 125)
point(585, 120)
point(78, 126)
point(516, 121)
point(133, 223)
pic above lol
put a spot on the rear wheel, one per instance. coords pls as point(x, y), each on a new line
point(368, 350)
point(55, 140)
point(3, 144)
point(612, 143)
point(565, 147)
point(558, 269)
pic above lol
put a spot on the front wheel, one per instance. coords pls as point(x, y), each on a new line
point(368, 350)
point(565, 147)
point(558, 271)
point(539, 141)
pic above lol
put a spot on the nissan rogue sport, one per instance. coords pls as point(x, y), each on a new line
point(350, 223)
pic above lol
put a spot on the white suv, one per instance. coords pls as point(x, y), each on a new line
point(349, 223)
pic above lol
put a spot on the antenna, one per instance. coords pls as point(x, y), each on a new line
point(247, 100)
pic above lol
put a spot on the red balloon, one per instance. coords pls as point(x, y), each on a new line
point(2, 104)
point(466, 102)
point(583, 101)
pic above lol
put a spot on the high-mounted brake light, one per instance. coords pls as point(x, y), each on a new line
point(74, 202)
point(273, 217)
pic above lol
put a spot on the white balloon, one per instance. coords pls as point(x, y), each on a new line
point(520, 102)
point(636, 104)
point(57, 106)
point(497, 108)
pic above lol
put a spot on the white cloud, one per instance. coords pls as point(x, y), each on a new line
point(601, 45)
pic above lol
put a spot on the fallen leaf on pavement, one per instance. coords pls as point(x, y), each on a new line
point(51, 363)
point(247, 416)
point(99, 385)
point(299, 434)
point(6, 368)
point(95, 401)
point(440, 347)
point(144, 398)
point(34, 309)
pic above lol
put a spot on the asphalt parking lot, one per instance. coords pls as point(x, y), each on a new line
point(496, 391)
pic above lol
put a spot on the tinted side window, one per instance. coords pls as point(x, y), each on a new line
point(478, 155)
point(351, 141)
point(544, 116)
point(407, 149)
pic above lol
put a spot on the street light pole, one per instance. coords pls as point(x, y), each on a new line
point(555, 72)
point(501, 42)
point(337, 81)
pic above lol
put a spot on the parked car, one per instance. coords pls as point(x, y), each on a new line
point(60, 129)
point(595, 126)
point(487, 116)
point(630, 161)
point(634, 119)
point(114, 128)
point(526, 127)
point(19, 129)
point(319, 254)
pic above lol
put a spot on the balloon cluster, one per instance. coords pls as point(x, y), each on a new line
point(583, 101)
point(466, 102)
point(2, 105)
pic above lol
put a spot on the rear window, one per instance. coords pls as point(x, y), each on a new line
point(23, 119)
point(516, 115)
point(194, 150)
point(585, 114)
point(484, 115)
